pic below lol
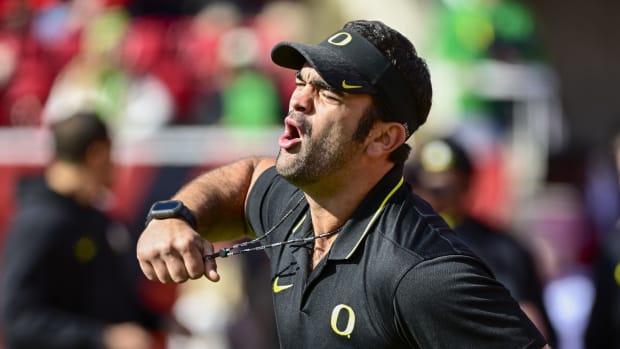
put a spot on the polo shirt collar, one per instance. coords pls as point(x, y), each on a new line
point(364, 217)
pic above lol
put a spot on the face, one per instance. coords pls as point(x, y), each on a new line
point(445, 191)
point(318, 137)
point(99, 161)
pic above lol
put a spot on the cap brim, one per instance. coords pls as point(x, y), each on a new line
point(333, 68)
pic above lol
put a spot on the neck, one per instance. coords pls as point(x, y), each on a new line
point(333, 201)
point(71, 180)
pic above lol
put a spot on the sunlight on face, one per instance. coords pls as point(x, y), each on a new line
point(325, 121)
point(318, 156)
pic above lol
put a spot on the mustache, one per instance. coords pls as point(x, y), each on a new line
point(304, 125)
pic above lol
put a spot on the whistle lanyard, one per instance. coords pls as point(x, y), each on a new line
point(239, 248)
point(250, 246)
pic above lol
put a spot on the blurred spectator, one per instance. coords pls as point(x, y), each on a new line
point(56, 27)
point(142, 65)
point(603, 329)
point(69, 278)
point(282, 21)
point(147, 104)
point(441, 173)
point(24, 82)
point(471, 30)
point(39, 38)
point(489, 67)
point(554, 220)
point(114, 73)
point(199, 42)
point(92, 79)
point(249, 97)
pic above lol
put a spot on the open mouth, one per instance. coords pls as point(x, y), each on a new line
point(292, 134)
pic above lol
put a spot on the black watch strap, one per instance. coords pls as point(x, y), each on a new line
point(187, 215)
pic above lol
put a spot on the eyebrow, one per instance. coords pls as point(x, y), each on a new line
point(320, 84)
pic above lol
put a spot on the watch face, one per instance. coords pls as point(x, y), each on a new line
point(165, 209)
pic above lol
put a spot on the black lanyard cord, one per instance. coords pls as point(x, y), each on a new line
point(239, 248)
point(235, 250)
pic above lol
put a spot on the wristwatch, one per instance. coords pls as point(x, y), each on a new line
point(171, 209)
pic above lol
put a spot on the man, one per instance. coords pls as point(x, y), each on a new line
point(68, 282)
point(442, 174)
point(357, 260)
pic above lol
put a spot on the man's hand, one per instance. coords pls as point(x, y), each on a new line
point(169, 250)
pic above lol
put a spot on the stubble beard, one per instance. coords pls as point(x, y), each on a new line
point(316, 158)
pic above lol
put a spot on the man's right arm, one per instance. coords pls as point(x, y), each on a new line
point(169, 250)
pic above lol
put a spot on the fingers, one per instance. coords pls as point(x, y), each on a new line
point(209, 263)
point(173, 267)
point(161, 264)
point(193, 259)
point(170, 251)
point(148, 270)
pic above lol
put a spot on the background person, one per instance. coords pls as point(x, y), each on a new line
point(68, 279)
point(442, 172)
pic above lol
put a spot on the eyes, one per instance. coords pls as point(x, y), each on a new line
point(320, 88)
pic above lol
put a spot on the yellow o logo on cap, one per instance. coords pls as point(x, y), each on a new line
point(340, 39)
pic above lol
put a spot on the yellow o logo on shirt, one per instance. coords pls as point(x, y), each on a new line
point(350, 323)
point(617, 273)
point(340, 39)
point(85, 249)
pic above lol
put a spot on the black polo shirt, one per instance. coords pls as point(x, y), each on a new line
point(395, 277)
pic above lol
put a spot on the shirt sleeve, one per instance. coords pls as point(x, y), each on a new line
point(452, 302)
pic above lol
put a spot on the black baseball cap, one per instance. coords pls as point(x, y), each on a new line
point(350, 63)
point(444, 154)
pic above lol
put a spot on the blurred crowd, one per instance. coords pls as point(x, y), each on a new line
point(145, 66)
point(140, 67)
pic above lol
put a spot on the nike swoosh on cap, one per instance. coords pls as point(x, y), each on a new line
point(347, 86)
point(279, 288)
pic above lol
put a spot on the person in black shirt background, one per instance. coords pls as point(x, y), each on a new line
point(441, 172)
point(68, 280)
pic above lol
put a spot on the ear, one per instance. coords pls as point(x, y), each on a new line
point(385, 137)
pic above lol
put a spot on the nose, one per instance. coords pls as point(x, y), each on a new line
point(302, 99)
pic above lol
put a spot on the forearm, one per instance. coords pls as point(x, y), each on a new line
point(217, 198)
point(169, 250)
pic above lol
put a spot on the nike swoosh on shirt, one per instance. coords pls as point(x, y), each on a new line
point(279, 288)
